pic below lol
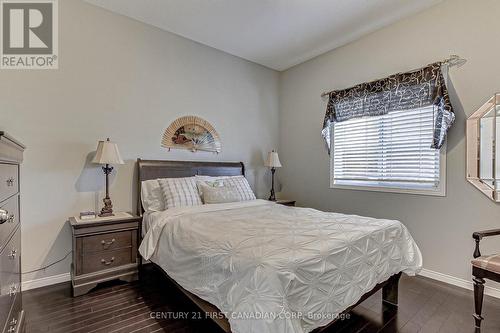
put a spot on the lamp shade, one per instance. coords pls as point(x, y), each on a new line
point(107, 153)
point(273, 160)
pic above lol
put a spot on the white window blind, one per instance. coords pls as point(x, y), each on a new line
point(391, 151)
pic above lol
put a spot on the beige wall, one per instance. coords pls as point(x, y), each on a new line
point(126, 80)
point(441, 226)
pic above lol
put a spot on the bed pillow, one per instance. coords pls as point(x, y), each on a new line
point(210, 181)
point(180, 192)
point(219, 194)
point(240, 183)
point(152, 196)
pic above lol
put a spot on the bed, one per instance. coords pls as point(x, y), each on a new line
point(257, 266)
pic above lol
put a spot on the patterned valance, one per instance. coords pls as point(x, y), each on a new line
point(403, 91)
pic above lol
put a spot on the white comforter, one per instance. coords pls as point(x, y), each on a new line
point(272, 268)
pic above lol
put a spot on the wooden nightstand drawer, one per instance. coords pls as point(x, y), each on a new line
point(107, 259)
point(107, 242)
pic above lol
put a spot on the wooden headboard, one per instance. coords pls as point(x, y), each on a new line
point(154, 169)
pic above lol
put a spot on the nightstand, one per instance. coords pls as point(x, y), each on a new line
point(286, 202)
point(104, 248)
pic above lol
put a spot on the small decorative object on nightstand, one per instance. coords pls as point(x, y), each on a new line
point(286, 202)
point(273, 162)
point(104, 249)
point(107, 153)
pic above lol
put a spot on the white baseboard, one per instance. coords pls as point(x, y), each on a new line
point(494, 292)
point(45, 281)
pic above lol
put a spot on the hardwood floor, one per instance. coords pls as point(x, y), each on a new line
point(424, 306)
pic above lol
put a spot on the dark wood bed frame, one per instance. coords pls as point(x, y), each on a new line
point(153, 169)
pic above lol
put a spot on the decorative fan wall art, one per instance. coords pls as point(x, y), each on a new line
point(193, 133)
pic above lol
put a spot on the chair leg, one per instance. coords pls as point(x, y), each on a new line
point(478, 299)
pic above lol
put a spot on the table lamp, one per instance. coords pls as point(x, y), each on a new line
point(107, 153)
point(273, 162)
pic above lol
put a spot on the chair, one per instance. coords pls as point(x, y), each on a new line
point(483, 267)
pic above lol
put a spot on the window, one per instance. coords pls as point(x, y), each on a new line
point(388, 153)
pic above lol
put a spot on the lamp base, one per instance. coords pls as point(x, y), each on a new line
point(107, 210)
point(106, 214)
point(272, 197)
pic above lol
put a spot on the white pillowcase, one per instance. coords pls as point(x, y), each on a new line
point(208, 181)
point(219, 194)
point(180, 192)
point(240, 184)
point(152, 196)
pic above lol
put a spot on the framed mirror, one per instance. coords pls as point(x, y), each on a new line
point(483, 131)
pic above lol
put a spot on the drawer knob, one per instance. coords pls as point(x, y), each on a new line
point(12, 290)
point(106, 262)
point(10, 182)
point(12, 254)
point(107, 244)
point(4, 216)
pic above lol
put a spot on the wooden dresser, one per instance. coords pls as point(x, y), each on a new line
point(11, 313)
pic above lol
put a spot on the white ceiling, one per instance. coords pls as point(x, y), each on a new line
point(275, 33)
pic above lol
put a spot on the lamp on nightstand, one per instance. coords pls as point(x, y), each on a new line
point(273, 162)
point(107, 153)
